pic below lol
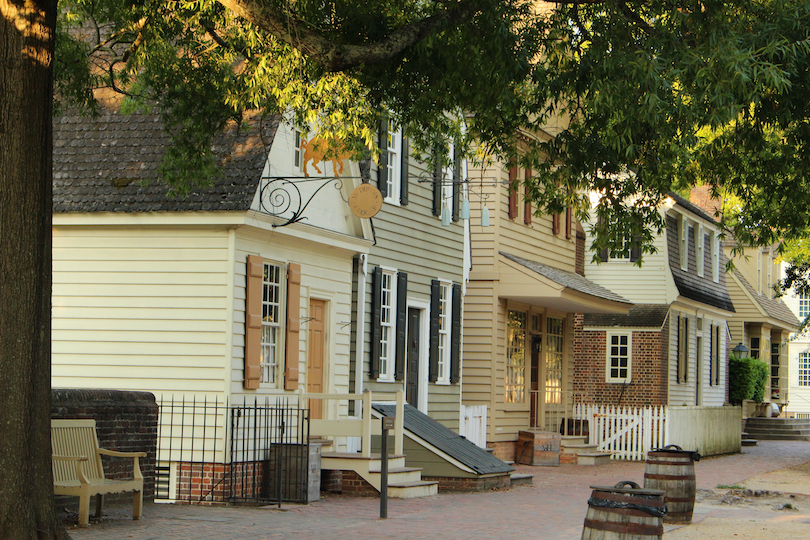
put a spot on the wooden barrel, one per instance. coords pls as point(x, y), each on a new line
point(624, 513)
point(673, 470)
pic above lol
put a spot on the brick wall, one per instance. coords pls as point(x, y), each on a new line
point(125, 421)
point(648, 367)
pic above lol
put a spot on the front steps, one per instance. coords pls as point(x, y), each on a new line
point(575, 450)
point(403, 482)
point(777, 429)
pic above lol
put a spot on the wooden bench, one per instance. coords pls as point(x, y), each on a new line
point(77, 468)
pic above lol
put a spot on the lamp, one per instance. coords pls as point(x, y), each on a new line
point(465, 208)
point(740, 351)
point(485, 217)
point(445, 216)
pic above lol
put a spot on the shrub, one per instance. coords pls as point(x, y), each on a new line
point(747, 379)
point(761, 378)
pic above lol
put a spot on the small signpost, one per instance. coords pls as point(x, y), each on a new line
point(387, 423)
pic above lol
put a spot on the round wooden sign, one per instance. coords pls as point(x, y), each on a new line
point(365, 201)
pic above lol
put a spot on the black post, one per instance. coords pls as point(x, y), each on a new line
point(387, 422)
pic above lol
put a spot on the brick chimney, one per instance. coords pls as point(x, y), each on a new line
point(702, 196)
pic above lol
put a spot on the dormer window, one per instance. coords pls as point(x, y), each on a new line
point(715, 246)
point(683, 240)
point(700, 249)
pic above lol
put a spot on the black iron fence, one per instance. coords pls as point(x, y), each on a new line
point(210, 451)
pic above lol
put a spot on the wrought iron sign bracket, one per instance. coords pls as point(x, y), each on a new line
point(282, 198)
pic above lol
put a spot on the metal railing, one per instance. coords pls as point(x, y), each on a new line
point(553, 410)
point(210, 451)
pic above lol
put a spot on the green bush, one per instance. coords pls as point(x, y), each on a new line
point(761, 378)
point(746, 379)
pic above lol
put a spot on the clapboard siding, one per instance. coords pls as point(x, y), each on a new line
point(651, 283)
point(325, 274)
point(410, 239)
point(155, 299)
point(684, 393)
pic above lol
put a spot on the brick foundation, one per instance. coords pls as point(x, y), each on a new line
point(505, 451)
point(447, 484)
point(125, 421)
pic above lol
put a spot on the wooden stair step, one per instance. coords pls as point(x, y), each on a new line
point(416, 483)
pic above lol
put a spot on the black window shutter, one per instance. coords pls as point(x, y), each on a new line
point(437, 183)
point(403, 168)
point(678, 355)
point(382, 171)
point(402, 323)
point(457, 179)
point(376, 328)
point(433, 361)
point(455, 337)
point(711, 356)
point(635, 249)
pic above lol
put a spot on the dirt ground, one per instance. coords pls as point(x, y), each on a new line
point(774, 505)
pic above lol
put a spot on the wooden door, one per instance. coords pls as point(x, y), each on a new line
point(412, 356)
point(315, 356)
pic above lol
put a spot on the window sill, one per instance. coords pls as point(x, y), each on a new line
point(386, 380)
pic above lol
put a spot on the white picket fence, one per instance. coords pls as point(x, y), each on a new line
point(628, 433)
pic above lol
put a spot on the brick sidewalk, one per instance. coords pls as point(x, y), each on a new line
point(554, 507)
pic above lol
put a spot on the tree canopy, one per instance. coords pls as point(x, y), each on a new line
point(656, 95)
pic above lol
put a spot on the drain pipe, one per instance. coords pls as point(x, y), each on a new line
point(360, 333)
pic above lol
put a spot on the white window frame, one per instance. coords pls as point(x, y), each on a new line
point(715, 246)
point(609, 357)
point(297, 165)
point(759, 272)
point(388, 325)
point(804, 305)
point(683, 241)
point(273, 300)
point(803, 365)
point(618, 255)
point(447, 180)
point(393, 174)
point(700, 250)
point(769, 283)
point(445, 326)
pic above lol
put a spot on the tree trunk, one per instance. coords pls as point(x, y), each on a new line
point(26, 480)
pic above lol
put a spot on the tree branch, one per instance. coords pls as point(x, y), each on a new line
point(340, 57)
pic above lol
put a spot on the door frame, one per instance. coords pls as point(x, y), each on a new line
point(423, 306)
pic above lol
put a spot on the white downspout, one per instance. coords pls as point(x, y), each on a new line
point(359, 337)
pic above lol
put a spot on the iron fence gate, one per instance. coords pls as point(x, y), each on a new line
point(269, 453)
point(209, 451)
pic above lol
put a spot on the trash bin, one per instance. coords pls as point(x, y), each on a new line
point(625, 511)
point(672, 470)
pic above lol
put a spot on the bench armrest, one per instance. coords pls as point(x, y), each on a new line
point(78, 460)
point(136, 467)
point(116, 453)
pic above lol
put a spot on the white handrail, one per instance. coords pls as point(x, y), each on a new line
point(366, 428)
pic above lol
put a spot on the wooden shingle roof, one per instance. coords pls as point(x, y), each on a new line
point(110, 163)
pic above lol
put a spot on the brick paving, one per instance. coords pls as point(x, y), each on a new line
point(553, 507)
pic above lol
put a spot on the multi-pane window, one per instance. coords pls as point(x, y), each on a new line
point(516, 357)
point(555, 350)
point(683, 240)
point(804, 305)
point(297, 151)
point(393, 176)
point(715, 246)
point(804, 369)
point(700, 250)
point(271, 322)
point(618, 358)
point(754, 347)
point(388, 310)
point(445, 293)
